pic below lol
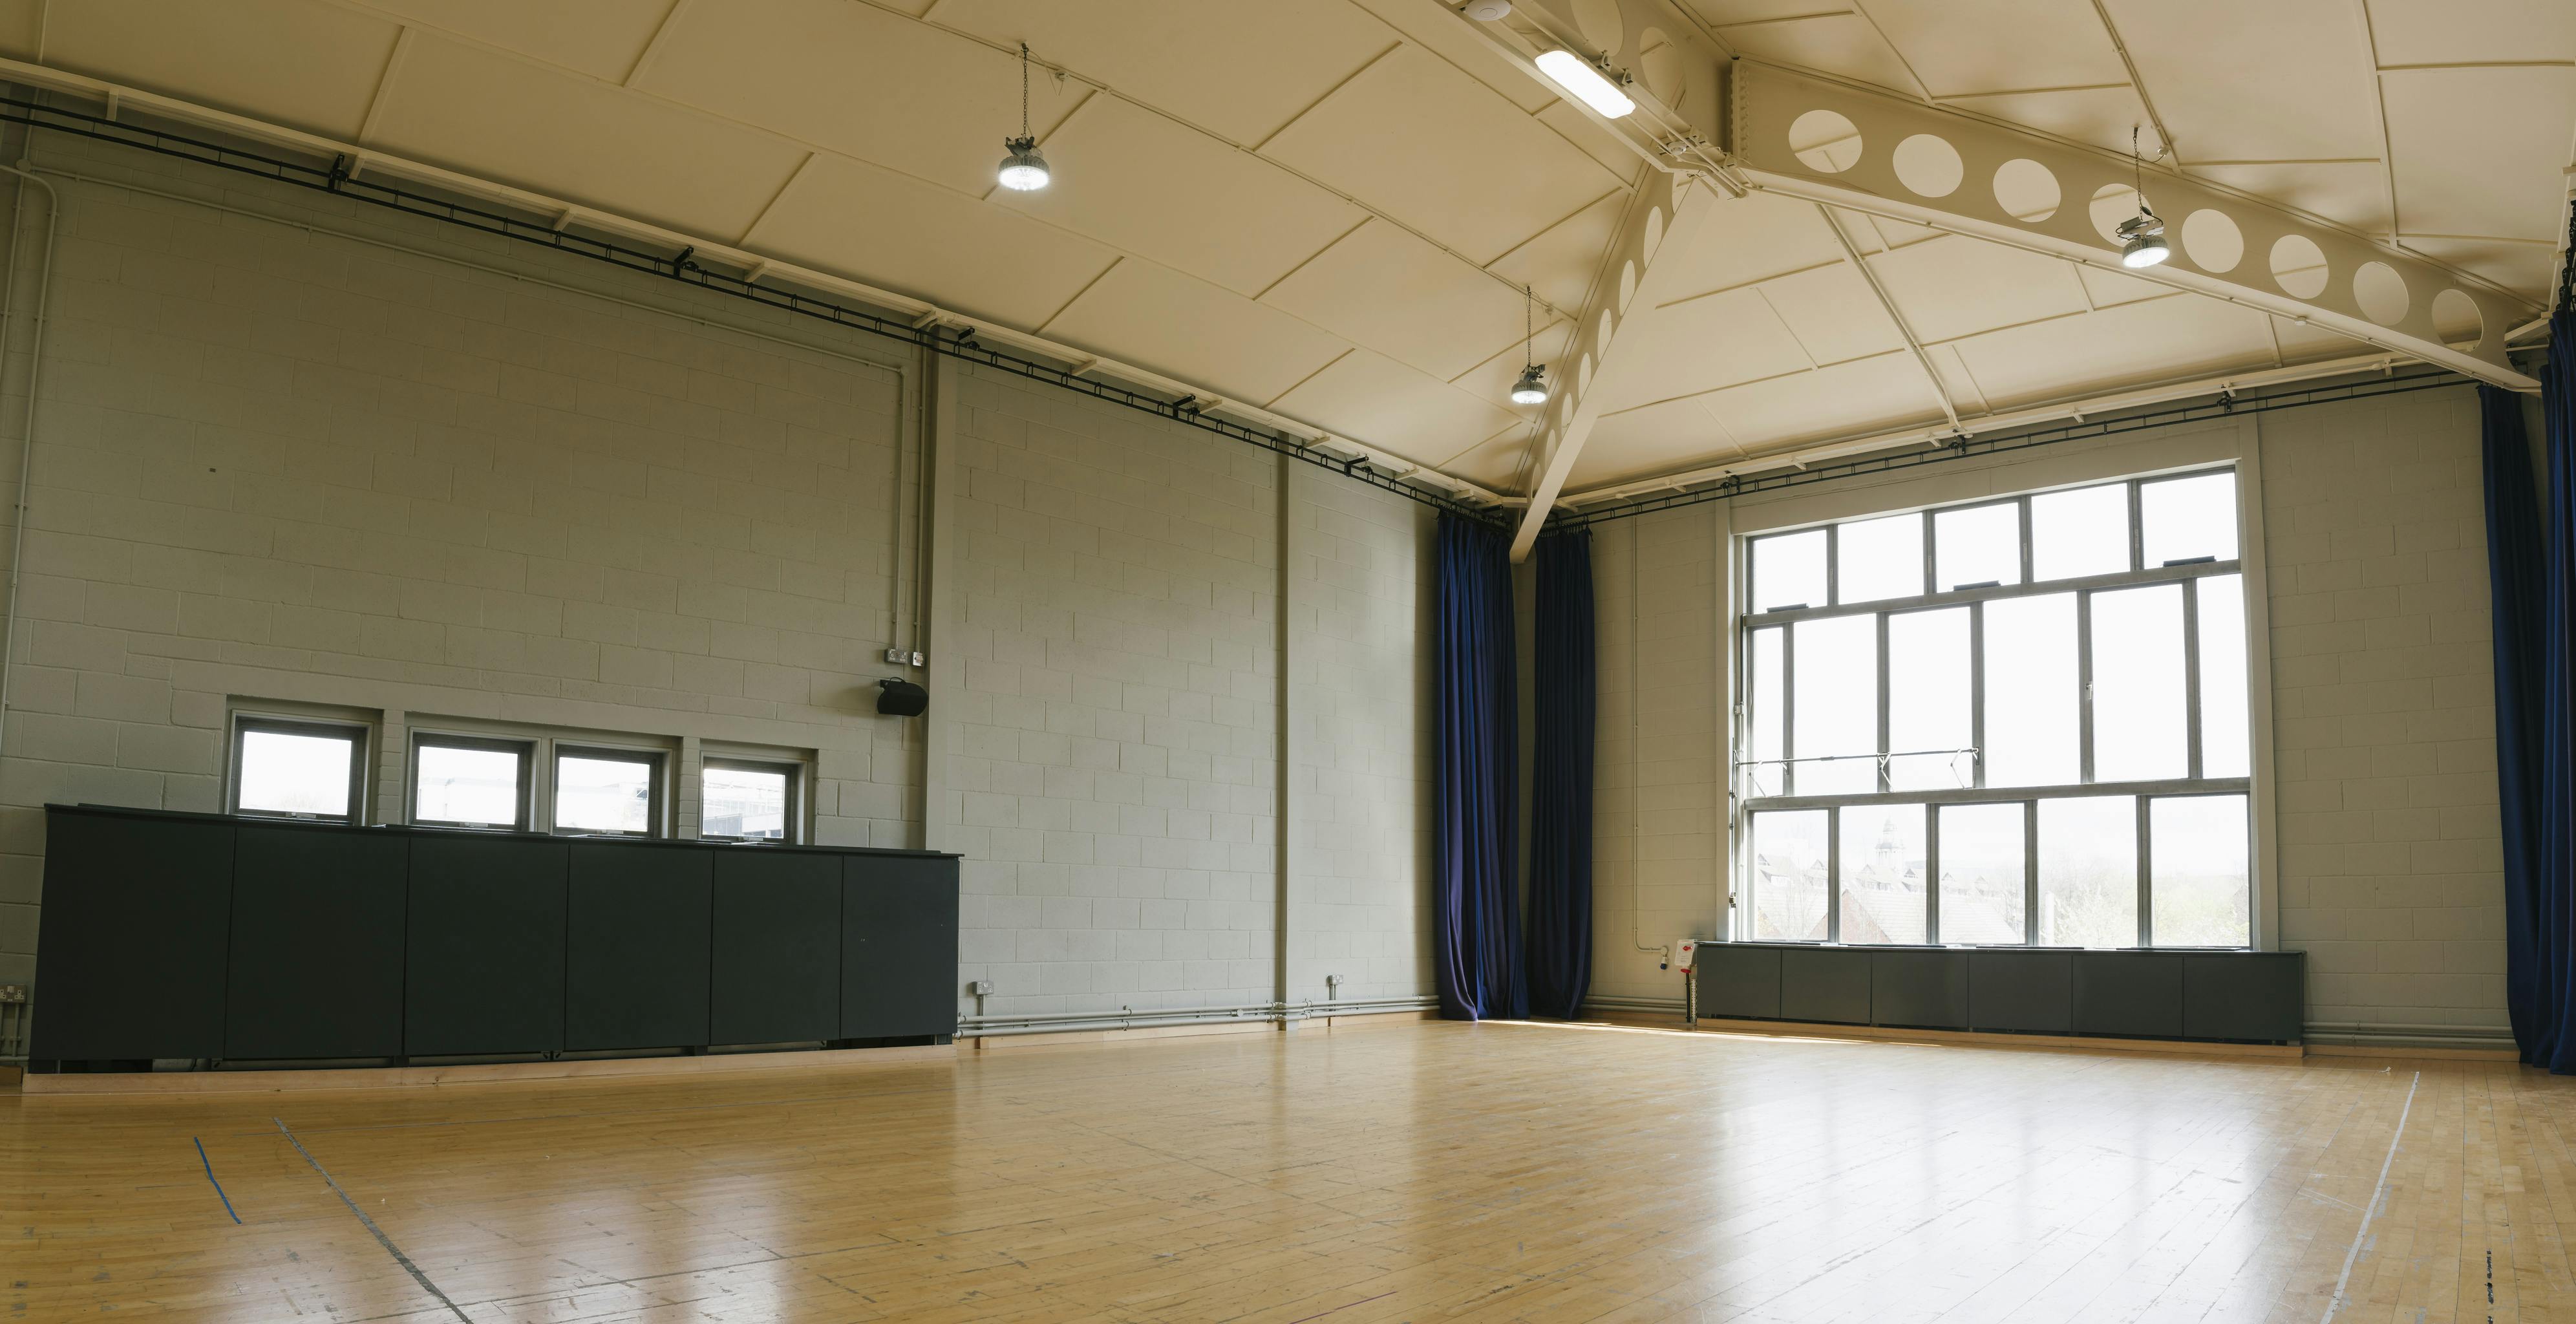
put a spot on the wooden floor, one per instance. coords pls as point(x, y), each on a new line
point(1410, 1172)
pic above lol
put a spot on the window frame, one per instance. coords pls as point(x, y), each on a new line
point(245, 721)
point(2187, 573)
point(794, 770)
point(657, 798)
point(525, 748)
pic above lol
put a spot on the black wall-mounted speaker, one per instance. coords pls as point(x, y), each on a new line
point(901, 698)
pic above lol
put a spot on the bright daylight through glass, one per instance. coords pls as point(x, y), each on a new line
point(288, 773)
point(464, 785)
point(743, 802)
point(597, 794)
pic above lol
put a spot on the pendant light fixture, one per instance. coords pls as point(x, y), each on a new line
point(1025, 169)
point(1531, 389)
point(2142, 237)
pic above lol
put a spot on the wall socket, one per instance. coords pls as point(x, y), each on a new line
point(904, 657)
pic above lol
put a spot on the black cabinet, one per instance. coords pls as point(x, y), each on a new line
point(635, 946)
point(1923, 989)
point(2244, 995)
point(130, 942)
point(1824, 984)
point(2137, 994)
point(2021, 992)
point(898, 947)
point(1738, 981)
point(777, 948)
point(485, 957)
point(317, 943)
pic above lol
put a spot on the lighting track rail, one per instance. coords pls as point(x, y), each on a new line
point(336, 178)
point(2000, 443)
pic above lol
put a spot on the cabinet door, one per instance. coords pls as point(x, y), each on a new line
point(131, 936)
point(898, 946)
point(317, 943)
point(777, 975)
point(635, 947)
point(484, 957)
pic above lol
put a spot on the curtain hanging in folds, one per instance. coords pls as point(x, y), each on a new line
point(1475, 906)
point(2536, 706)
point(2516, 568)
point(1560, 919)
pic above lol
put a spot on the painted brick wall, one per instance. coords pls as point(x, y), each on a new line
point(2384, 709)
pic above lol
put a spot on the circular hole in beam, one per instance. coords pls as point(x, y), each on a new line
point(1627, 284)
point(2457, 321)
point(1825, 141)
point(2112, 204)
point(1929, 165)
point(1600, 22)
point(1660, 63)
point(2212, 241)
point(2026, 190)
point(2299, 266)
point(2381, 292)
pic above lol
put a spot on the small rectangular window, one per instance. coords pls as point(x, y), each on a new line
point(2083, 532)
point(745, 800)
point(1789, 571)
point(290, 769)
point(1977, 545)
point(1790, 888)
point(608, 790)
point(2189, 519)
point(1879, 558)
point(465, 781)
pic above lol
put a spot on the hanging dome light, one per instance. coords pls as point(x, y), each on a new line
point(1531, 389)
point(2142, 237)
point(1025, 169)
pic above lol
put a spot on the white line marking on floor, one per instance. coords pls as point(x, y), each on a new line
point(2378, 1200)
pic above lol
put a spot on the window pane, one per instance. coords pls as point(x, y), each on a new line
point(743, 802)
point(2197, 853)
point(2083, 532)
point(1836, 708)
point(1789, 876)
point(2088, 872)
point(1978, 545)
point(2139, 717)
point(467, 786)
point(1789, 571)
point(603, 794)
point(1981, 874)
point(286, 773)
point(1879, 558)
point(2031, 734)
point(2183, 518)
point(2223, 718)
point(1769, 715)
point(1885, 896)
point(1927, 699)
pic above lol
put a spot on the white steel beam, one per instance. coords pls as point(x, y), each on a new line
point(1769, 102)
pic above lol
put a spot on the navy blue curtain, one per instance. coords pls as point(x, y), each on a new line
point(2539, 721)
point(1475, 902)
point(2516, 569)
point(1560, 899)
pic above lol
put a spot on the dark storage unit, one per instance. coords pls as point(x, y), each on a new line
point(777, 964)
point(1739, 980)
point(1922, 989)
point(2128, 993)
point(205, 936)
point(317, 943)
point(1825, 984)
point(635, 946)
point(131, 936)
point(898, 947)
point(2028, 992)
point(2244, 995)
point(485, 963)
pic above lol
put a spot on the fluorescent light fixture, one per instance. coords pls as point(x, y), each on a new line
point(1577, 76)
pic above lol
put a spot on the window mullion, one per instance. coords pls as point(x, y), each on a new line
point(2137, 528)
point(2030, 871)
point(1977, 692)
point(2146, 866)
point(1833, 875)
point(1788, 709)
point(1931, 876)
point(2191, 675)
point(1883, 782)
point(2084, 686)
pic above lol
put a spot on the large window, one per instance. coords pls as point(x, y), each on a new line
point(2015, 721)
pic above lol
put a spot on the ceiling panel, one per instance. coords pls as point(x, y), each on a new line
point(897, 232)
point(1839, 43)
point(1700, 344)
point(1139, 181)
point(1682, 429)
point(2432, 31)
point(2289, 79)
point(1495, 462)
point(1955, 286)
point(1442, 153)
point(601, 38)
point(2351, 193)
point(2134, 343)
point(2479, 151)
point(297, 63)
point(2000, 45)
point(1754, 237)
point(1492, 379)
point(581, 140)
point(1192, 331)
point(1452, 38)
point(1158, 51)
point(2308, 342)
point(2095, 116)
point(2525, 265)
point(1367, 396)
point(2105, 288)
point(1866, 395)
point(1559, 264)
point(1386, 289)
point(1834, 313)
point(857, 80)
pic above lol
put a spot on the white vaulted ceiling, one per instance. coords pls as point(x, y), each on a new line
point(1327, 208)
